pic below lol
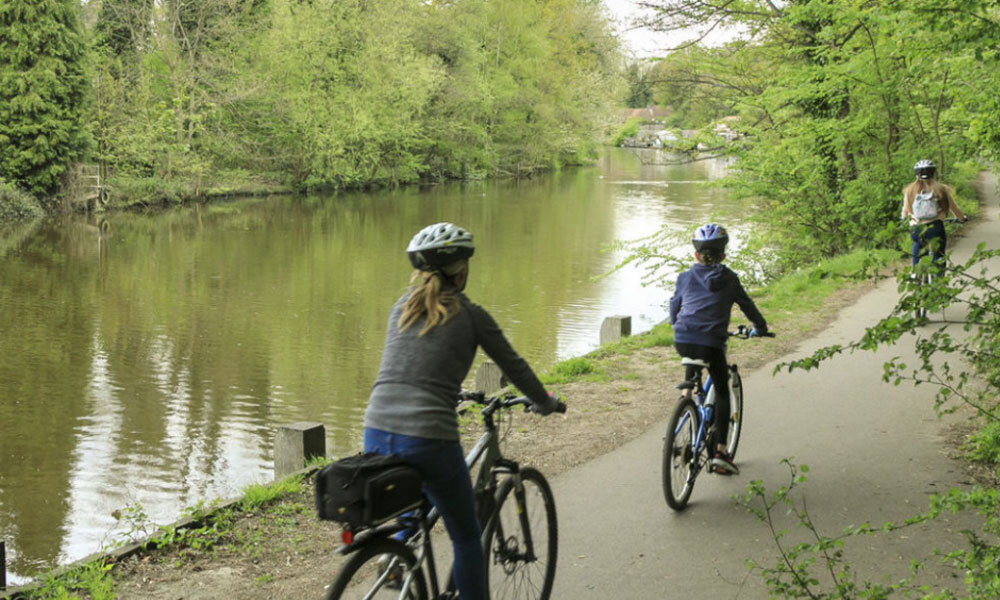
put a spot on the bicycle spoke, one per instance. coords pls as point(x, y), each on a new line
point(513, 571)
point(383, 570)
point(680, 462)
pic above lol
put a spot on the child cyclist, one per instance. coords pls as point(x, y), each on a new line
point(699, 313)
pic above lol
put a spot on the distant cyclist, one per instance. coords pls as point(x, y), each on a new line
point(699, 313)
point(926, 203)
point(433, 333)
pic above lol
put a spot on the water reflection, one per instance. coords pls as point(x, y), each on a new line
point(148, 357)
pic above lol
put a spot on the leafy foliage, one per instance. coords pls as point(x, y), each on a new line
point(347, 93)
point(835, 102)
point(16, 204)
point(43, 87)
point(818, 568)
point(962, 294)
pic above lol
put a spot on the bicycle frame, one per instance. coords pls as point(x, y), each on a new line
point(705, 416)
point(487, 451)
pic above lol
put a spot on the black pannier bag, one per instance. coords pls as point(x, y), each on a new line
point(365, 490)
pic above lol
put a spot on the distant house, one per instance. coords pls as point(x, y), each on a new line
point(649, 113)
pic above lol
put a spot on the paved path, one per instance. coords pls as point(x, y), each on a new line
point(875, 452)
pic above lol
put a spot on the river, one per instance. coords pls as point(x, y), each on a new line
point(147, 358)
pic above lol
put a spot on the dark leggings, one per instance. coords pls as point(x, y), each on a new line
point(930, 237)
point(718, 369)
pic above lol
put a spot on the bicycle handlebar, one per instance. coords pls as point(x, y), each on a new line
point(743, 332)
point(493, 403)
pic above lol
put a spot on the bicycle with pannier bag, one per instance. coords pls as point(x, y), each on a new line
point(376, 497)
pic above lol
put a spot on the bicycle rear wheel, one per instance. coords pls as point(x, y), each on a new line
point(384, 568)
point(736, 411)
point(679, 456)
point(511, 570)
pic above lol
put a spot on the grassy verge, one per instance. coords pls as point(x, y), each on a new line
point(205, 532)
point(791, 304)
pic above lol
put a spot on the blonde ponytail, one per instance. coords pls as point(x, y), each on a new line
point(427, 299)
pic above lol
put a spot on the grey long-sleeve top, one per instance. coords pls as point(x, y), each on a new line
point(420, 376)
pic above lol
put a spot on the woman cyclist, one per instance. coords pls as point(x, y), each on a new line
point(699, 313)
point(431, 340)
point(926, 203)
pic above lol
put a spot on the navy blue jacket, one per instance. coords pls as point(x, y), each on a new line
point(702, 303)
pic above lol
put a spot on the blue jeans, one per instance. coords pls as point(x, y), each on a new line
point(449, 488)
point(928, 237)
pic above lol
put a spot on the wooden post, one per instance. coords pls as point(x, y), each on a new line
point(295, 444)
point(489, 378)
point(3, 565)
point(615, 328)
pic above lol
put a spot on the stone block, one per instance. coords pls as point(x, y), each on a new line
point(615, 328)
point(295, 444)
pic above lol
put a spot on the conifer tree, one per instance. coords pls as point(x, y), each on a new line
point(42, 91)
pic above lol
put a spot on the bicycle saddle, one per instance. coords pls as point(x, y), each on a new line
point(697, 362)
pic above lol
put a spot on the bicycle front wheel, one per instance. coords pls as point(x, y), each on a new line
point(383, 569)
point(522, 539)
point(922, 310)
point(736, 412)
point(679, 455)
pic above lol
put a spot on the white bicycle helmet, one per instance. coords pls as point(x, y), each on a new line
point(924, 169)
point(439, 244)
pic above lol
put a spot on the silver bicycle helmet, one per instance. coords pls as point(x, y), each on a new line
point(924, 169)
point(439, 244)
point(710, 236)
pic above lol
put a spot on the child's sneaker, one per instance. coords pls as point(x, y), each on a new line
point(722, 464)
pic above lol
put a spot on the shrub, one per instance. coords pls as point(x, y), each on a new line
point(629, 129)
point(17, 204)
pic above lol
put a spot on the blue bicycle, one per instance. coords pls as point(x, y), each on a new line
point(688, 445)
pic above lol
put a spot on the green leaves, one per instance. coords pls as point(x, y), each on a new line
point(43, 89)
point(350, 93)
point(817, 567)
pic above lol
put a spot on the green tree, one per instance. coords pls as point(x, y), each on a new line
point(640, 91)
point(347, 93)
point(43, 88)
point(835, 108)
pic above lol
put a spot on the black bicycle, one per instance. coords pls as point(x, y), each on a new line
point(924, 276)
point(520, 533)
point(689, 442)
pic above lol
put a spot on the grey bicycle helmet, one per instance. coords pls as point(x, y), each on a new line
point(439, 244)
point(710, 237)
point(924, 169)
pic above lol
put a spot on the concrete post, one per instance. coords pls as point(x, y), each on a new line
point(489, 378)
point(615, 328)
point(296, 443)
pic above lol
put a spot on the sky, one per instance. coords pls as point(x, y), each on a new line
point(645, 43)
